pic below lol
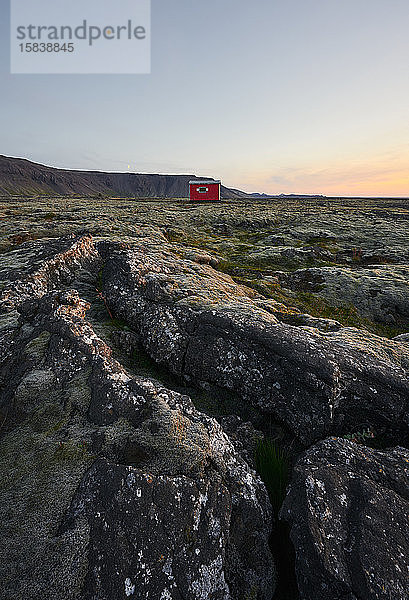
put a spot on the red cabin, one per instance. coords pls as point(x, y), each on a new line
point(204, 189)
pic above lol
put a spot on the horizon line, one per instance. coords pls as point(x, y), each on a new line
point(303, 194)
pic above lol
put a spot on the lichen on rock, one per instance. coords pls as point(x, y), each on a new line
point(347, 506)
point(115, 485)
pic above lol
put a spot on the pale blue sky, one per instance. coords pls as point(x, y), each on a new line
point(271, 95)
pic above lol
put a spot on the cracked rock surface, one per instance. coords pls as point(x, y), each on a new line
point(204, 326)
point(115, 485)
point(112, 485)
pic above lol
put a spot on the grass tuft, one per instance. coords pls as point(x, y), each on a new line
point(273, 468)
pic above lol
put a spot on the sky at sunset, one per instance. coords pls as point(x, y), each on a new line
point(274, 96)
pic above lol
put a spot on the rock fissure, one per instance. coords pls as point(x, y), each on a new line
point(154, 497)
point(110, 418)
point(317, 386)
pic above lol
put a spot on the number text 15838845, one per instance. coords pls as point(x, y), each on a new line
point(43, 47)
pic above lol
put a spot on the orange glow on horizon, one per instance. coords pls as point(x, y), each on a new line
point(387, 176)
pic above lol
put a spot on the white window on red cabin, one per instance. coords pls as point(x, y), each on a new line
point(202, 190)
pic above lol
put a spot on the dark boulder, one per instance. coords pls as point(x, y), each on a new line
point(348, 508)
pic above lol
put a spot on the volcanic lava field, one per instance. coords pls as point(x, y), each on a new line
point(204, 401)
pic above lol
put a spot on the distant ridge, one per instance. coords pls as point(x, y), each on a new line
point(22, 177)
